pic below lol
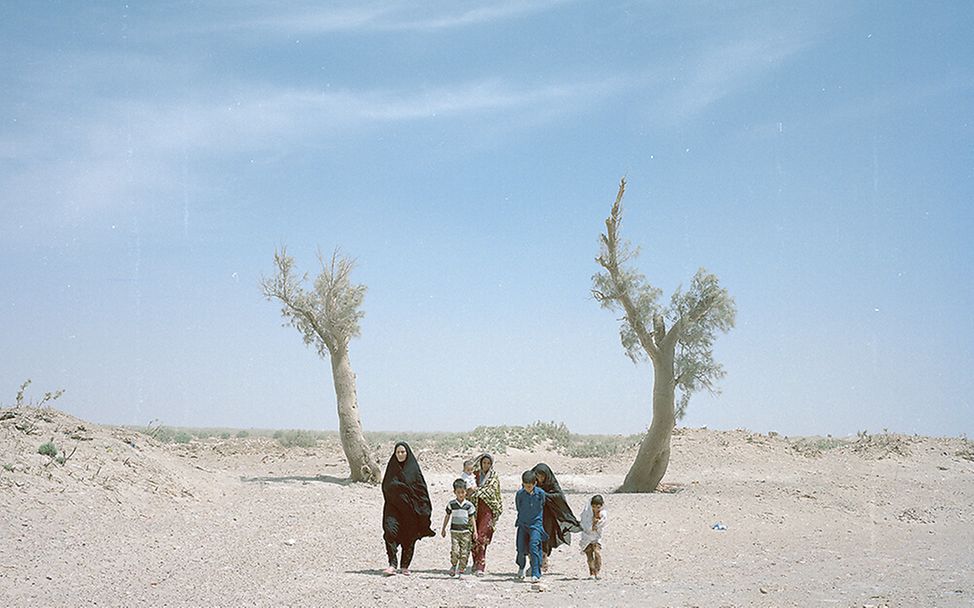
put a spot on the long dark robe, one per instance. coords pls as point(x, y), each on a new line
point(558, 520)
point(407, 508)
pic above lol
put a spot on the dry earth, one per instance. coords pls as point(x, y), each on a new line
point(127, 521)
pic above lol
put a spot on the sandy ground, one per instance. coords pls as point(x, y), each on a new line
point(243, 522)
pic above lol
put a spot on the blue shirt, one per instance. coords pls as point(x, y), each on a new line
point(530, 508)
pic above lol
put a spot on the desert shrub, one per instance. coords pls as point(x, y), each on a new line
point(881, 445)
point(296, 439)
point(499, 439)
point(47, 449)
point(158, 431)
point(182, 437)
point(8, 468)
point(224, 435)
point(48, 396)
point(601, 447)
point(815, 446)
point(242, 434)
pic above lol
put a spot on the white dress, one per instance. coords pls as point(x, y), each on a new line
point(590, 536)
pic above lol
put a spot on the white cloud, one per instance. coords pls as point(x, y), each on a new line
point(389, 16)
point(128, 148)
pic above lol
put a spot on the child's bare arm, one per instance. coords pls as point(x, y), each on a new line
point(446, 520)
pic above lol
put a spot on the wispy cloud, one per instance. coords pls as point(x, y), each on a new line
point(731, 52)
point(128, 148)
point(388, 16)
point(725, 69)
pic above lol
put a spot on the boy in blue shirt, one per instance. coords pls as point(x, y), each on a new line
point(529, 501)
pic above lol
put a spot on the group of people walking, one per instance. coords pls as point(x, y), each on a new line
point(544, 518)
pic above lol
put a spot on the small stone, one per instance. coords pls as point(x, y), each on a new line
point(290, 542)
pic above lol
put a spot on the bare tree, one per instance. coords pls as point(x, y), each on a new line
point(682, 356)
point(328, 317)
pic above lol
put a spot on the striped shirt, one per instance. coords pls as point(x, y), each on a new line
point(460, 514)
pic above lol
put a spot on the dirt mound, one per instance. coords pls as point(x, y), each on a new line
point(45, 451)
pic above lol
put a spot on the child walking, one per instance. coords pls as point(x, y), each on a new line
point(593, 522)
point(460, 514)
point(529, 501)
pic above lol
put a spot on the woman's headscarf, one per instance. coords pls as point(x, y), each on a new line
point(484, 478)
point(488, 486)
point(559, 521)
point(407, 509)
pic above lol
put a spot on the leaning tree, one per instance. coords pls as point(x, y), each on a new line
point(681, 355)
point(328, 317)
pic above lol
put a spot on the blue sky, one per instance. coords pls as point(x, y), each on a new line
point(817, 156)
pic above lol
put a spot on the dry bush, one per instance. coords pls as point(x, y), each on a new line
point(814, 447)
point(881, 445)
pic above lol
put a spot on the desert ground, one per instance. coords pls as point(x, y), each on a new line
point(125, 520)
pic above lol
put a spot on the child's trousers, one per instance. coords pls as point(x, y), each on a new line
point(459, 549)
point(529, 542)
point(593, 552)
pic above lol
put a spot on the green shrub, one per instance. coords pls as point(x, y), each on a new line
point(48, 449)
point(296, 439)
point(498, 439)
point(242, 434)
point(812, 447)
point(182, 437)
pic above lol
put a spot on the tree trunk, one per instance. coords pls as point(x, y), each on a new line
point(654, 452)
point(363, 465)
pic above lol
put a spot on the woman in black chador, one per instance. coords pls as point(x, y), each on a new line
point(406, 513)
point(558, 520)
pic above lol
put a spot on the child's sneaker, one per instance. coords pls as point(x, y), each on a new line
point(453, 570)
point(535, 580)
point(521, 573)
point(479, 573)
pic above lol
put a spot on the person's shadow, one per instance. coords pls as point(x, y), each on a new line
point(302, 479)
point(378, 572)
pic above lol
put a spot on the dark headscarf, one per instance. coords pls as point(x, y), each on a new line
point(407, 508)
point(559, 521)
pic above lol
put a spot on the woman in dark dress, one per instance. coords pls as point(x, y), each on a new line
point(407, 508)
point(558, 520)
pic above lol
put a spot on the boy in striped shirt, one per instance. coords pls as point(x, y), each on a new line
point(460, 514)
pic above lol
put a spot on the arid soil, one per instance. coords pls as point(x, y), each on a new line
point(126, 521)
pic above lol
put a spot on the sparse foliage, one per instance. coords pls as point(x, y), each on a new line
point(677, 339)
point(327, 317)
point(47, 449)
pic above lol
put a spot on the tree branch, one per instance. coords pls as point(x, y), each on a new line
point(611, 241)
